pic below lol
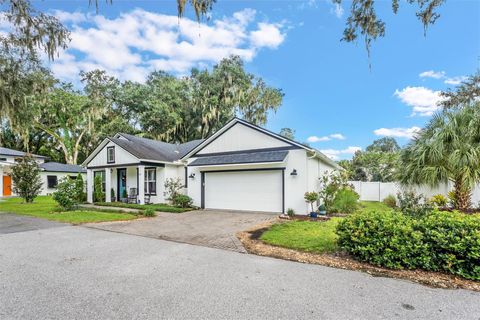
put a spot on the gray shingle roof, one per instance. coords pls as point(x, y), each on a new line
point(250, 157)
point(149, 149)
point(61, 167)
point(16, 153)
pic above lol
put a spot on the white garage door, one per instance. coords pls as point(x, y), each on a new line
point(244, 190)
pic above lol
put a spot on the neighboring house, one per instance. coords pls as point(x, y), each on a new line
point(51, 172)
point(240, 167)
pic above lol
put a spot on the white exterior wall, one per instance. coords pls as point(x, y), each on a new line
point(241, 137)
point(121, 156)
point(60, 175)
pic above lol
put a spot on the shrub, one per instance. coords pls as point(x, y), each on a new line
point(80, 189)
point(172, 188)
point(290, 212)
point(390, 201)
point(149, 212)
point(66, 195)
point(439, 241)
point(386, 239)
point(98, 194)
point(331, 183)
point(413, 204)
point(439, 201)
point(112, 194)
point(182, 201)
point(346, 201)
point(311, 197)
point(26, 179)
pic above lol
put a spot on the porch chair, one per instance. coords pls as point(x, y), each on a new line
point(147, 199)
point(132, 195)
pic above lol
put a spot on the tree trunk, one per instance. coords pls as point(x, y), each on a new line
point(463, 195)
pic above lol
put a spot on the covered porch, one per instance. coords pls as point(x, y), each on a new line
point(135, 183)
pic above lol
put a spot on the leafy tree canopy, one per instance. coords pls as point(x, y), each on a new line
point(288, 133)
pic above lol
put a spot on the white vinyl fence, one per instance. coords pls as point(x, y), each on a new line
point(377, 191)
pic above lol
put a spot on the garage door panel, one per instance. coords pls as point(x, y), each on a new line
point(244, 190)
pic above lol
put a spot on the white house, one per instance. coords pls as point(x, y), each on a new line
point(240, 167)
point(51, 172)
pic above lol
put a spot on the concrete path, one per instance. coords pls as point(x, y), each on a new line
point(209, 228)
point(82, 273)
point(10, 223)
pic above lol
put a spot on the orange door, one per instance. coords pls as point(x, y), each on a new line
point(7, 186)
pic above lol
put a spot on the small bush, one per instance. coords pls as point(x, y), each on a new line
point(290, 212)
point(439, 201)
point(386, 239)
point(390, 201)
point(26, 179)
point(66, 195)
point(98, 194)
point(438, 241)
point(311, 197)
point(149, 212)
point(80, 189)
point(182, 201)
point(172, 188)
point(413, 204)
point(345, 201)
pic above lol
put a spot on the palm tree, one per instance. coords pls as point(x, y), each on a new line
point(447, 149)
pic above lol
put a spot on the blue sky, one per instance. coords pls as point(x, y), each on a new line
point(332, 98)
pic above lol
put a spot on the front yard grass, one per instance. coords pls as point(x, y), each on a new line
point(157, 206)
point(315, 237)
point(46, 208)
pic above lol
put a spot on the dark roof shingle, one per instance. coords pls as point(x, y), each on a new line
point(16, 153)
point(61, 167)
point(250, 157)
point(149, 149)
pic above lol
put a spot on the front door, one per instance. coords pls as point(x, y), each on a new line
point(7, 186)
point(121, 183)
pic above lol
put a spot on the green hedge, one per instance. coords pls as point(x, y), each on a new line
point(440, 241)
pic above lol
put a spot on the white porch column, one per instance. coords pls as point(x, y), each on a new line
point(141, 184)
point(89, 185)
point(108, 185)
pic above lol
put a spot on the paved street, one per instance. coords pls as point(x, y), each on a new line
point(10, 223)
point(82, 273)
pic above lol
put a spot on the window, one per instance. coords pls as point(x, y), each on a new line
point(3, 159)
point(102, 175)
point(110, 154)
point(72, 177)
point(185, 185)
point(52, 182)
point(151, 181)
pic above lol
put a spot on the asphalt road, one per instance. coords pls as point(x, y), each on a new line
point(82, 273)
point(10, 223)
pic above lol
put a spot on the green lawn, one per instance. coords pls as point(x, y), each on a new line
point(367, 206)
point(310, 236)
point(44, 207)
point(157, 206)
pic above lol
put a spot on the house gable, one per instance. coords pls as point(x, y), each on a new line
point(121, 156)
point(240, 137)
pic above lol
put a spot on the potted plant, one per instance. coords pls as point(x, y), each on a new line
point(311, 197)
point(322, 210)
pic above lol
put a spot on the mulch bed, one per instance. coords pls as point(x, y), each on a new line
point(250, 240)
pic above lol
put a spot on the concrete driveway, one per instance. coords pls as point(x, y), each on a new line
point(81, 273)
point(209, 228)
point(10, 223)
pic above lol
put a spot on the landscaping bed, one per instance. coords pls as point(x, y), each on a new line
point(251, 240)
point(44, 207)
point(157, 206)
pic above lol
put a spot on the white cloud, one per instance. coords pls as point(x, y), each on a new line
point(338, 10)
point(337, 136)
point(432, 74)
point(135, 43)
point(408, 133)
point(267, 35)
point(423, 100)
point(335, 154)
point(455, 80)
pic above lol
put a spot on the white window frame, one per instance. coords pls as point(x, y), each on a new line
point(148, 181)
